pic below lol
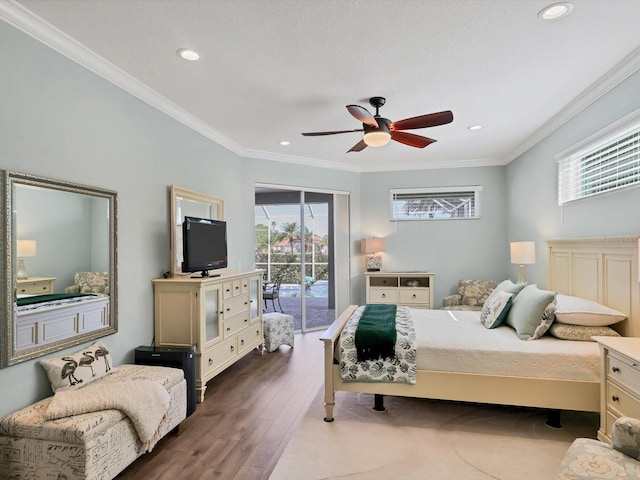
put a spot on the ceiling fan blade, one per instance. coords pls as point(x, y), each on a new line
point(317, 134)
point(411, 139)
point(423, 121)
point(358, 147)
point(363, 115)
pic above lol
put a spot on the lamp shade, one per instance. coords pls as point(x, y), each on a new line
point(26, 248)
point(373, 245)
point(523, 253)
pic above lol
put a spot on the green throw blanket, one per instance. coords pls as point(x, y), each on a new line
point(50, 298)
point(376, 332)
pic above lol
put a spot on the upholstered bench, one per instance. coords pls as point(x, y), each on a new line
point(278, 330)
point(92, 445)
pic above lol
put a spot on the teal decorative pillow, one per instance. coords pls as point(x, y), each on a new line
point(510, 287)
point(495, 309)
point(77, 370)
point(532, 312)
point(580, 332)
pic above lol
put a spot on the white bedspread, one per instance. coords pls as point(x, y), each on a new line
point(456, 341)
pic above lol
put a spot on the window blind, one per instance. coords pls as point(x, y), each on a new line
point(436, 203)
point(609, 164)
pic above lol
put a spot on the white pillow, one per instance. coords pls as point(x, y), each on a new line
point(70, 372)
point(580, 311)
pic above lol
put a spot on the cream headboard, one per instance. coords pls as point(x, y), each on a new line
point(604, 270)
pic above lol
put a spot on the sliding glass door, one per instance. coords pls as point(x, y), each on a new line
point(296, 244)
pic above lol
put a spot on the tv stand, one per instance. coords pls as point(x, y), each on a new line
point(208, 275)
point(221, 316)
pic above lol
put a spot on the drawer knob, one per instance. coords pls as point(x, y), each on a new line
point(413, 296)
point(615, 398)
point(229, 309)
point(384, 295)
point(228, 329)
point(210, 361)
point(242, 342)
point(615, 369)
point(246, 320)
point(257, 333)
point(232, 348)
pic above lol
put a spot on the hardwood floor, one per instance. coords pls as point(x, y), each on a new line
point(248, 416)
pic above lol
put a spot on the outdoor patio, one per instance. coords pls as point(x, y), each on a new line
point(316, 302)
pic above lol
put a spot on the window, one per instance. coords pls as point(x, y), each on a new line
point(608, 160)
point(436, 203)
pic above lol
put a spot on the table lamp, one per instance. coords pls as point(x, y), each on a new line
point(372, 247)
point(523, 253)
point(26, 248)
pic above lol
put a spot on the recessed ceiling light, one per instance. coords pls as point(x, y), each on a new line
point(284, 143)
point(188, 54)
point(474, 127)
point(555, 11)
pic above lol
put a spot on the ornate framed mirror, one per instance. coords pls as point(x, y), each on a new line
point(187, 203)
point(59, 270)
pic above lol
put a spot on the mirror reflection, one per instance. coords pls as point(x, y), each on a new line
point(187, 203)
point(62, 266)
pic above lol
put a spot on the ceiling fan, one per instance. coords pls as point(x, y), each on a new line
point(378, 131)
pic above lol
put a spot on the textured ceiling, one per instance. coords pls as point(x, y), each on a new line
point(271, 69)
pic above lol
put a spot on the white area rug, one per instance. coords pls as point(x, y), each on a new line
point(428, 439)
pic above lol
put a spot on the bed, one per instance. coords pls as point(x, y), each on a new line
point(45, 319)
point(604, 270)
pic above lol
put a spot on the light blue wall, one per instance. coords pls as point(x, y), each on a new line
point(532, 180)
point(452, 249)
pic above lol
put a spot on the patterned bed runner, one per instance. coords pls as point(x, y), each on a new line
point(400, 368)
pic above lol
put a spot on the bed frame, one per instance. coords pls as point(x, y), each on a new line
point(601, 269)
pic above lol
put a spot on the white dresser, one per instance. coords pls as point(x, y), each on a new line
point(221, 316)
point(413, 289)
point(35, 285)
point(620, 381)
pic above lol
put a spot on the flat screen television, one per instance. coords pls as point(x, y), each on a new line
point(204, 245)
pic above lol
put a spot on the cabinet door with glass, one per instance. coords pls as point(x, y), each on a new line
point(211, 313)
point(255, 292)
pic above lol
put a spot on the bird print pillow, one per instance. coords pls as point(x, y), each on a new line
point(70, 372)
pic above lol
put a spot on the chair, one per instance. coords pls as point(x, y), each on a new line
point(592, 459)
point(89, 282)
point(471, 295)
point(271, 291)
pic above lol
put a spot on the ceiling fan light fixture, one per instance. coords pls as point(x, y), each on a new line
point(377, 138)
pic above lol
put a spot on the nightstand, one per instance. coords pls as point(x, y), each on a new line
point(619, 381)
point(413, 289)
point(35, 285)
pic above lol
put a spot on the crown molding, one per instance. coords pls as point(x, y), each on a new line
point(309, 162)
point(435, 164)
point(623, 70)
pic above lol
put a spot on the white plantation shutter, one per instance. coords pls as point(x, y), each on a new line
point(435, 203)
point(610, 162)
